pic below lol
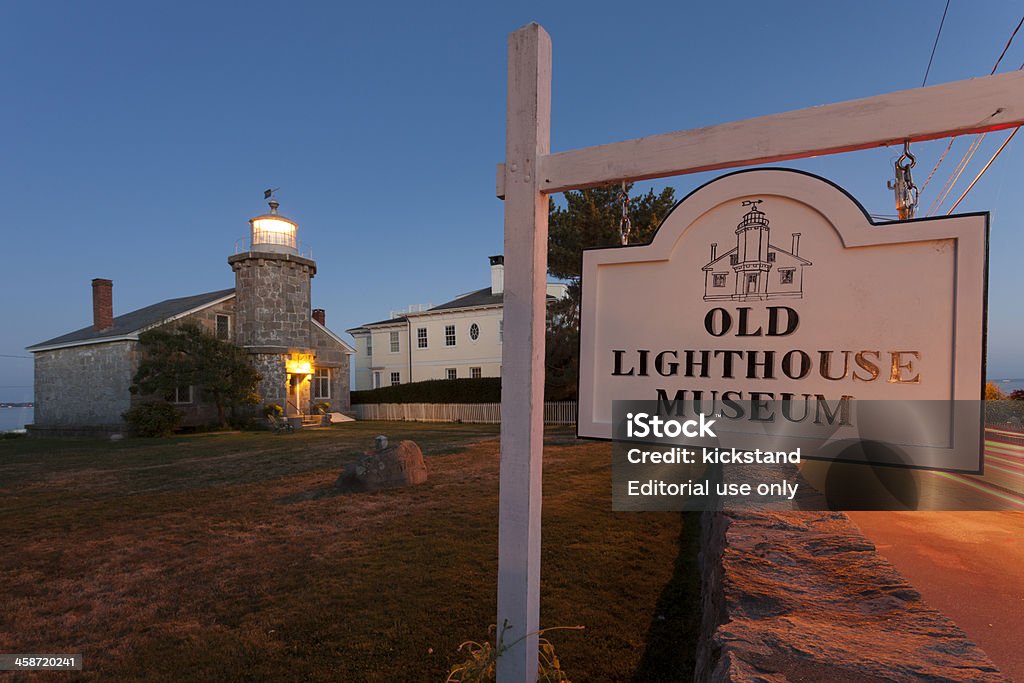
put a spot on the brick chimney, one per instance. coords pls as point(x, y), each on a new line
point(102, 304)
point(320, 316)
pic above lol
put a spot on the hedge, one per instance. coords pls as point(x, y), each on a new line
point(1004, 412)
point(482, 390)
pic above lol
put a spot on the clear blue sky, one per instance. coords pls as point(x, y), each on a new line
point(138, 137)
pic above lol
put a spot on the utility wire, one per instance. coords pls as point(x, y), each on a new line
point(1007, 47)
point(7, 355)
point(957, 172)
point(935, 44)
point(982, 171)
point(974, 147)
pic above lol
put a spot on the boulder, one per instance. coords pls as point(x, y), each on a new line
point(401, 464)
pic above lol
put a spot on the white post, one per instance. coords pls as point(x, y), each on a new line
point(528, 139)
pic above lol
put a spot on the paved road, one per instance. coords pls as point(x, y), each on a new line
point(969, 565)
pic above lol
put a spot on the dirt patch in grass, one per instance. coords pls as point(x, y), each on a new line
point(223, 557)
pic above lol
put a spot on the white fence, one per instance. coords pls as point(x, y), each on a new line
point(557, 413)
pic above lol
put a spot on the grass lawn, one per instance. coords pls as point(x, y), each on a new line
point(227, 557)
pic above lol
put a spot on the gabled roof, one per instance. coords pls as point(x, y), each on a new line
point(478, 299)
point(379, 323)
point(771, 247)
point(129, 325)
point(348, 347)
point(481, 297)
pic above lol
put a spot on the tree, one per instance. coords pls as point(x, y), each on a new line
point(590, 218)
point(189, 356)
point(993, 393)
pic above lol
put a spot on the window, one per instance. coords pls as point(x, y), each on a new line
point(322, 383)
point(771, 257)
point(474, 331)
point(182, 395)
point(369, 344)
point(449, 335)
point(786, 276)
point(734, 259)
point(475, 373)
point(501, 331)
point(376, 380)
point(223, 327)
point(396, 379)
point(394, 343)
point(451, 373)
point(421, 338)
point(719, 279)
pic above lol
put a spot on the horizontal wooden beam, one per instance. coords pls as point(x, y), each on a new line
point(972, 106)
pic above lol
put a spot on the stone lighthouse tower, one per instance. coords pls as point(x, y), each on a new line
point(753, 261)
point(272, 308)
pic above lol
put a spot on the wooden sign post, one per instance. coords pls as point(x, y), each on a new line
point(530, 173)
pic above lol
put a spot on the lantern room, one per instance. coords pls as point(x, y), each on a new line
point(273, 232)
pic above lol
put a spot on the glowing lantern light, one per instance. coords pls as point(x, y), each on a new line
point(273, 232)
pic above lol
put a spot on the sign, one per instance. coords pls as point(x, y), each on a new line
point(775, 285)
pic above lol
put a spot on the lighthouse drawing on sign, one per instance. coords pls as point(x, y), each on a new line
point(755, 269)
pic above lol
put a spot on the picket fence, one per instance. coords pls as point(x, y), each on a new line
point(557, 413)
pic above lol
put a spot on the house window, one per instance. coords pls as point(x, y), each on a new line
point(369, 344)
point(421, 338)
point(394, 342)
point(322, 383)
point(182, 395)
point(475, 373)
point(719, 279)
point(786, 276)
point(376, 380)
point(396, 379)
point(449, 335)
point(223, 327)
point(771, 257)
point(501, 330)
point(734, 259)
point(474, 331)
point(451, 373)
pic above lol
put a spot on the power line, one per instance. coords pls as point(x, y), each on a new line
point(1007, 46)
point(974, 146)
point(7, 355)
point(982, 172)
point(935, 44)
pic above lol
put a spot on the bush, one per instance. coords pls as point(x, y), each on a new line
point(1008, 412)
point(156, 418)
point(482, 390)
point(273, 409)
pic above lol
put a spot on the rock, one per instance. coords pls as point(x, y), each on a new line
point(398, 465)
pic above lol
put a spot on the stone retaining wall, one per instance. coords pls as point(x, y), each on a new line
point(805, 597)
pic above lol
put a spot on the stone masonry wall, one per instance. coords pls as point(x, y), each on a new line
point(331, 354)
point(803, 596)
point(272, 299)
point(272, 387)
point(84, 385)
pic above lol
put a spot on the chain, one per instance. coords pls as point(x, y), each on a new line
point(625, 227)
point(903, 188)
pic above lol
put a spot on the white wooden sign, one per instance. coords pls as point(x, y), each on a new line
point(775, 285)
point(530, 172)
